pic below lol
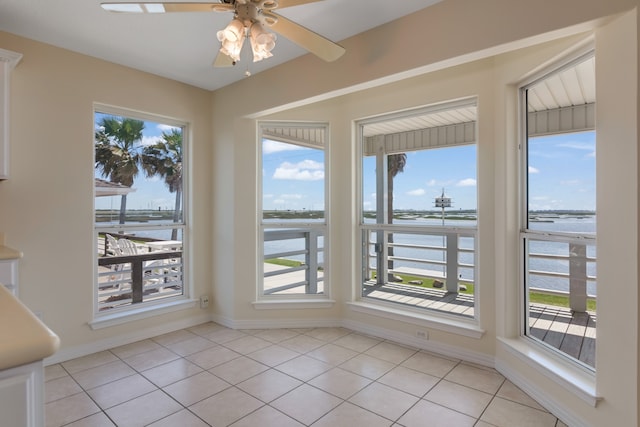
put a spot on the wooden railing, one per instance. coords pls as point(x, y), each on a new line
point(133, 279)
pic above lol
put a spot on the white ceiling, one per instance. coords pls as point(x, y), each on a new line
point(182, 46)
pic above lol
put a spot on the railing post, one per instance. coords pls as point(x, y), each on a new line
point(578, 277)
point(451, 278)
point(311, 259)
point(136, 282)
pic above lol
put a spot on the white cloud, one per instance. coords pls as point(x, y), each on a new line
point(577, 145)
point(292, 196)
point(150, 140)
point(168, 128)
point(432, 183)
point(416, 192)
point(269, 147)
point(468, 182)
point(571, 182)
point(533, 170)
point(306, 170)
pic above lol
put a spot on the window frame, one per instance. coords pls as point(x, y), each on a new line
point(563, 362)
point(293, 300)
point(165, 305)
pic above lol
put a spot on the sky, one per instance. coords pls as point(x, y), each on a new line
point(150, 193)
point(561, 174)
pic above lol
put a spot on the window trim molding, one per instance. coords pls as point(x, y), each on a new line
point(293, 301)
point(148, 309)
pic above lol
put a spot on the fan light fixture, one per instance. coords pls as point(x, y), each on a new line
point(232, 38)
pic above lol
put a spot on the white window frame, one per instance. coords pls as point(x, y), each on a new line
point(294, 300)
point(169, 304)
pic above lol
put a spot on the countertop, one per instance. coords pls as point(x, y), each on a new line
point(9, 253)
point(23, 337)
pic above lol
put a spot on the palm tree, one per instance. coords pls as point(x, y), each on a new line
point(395, 165)
point(164, 158)
point(117, 156)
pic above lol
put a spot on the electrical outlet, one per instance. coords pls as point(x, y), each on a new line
point(422, 334)
point(204, 301)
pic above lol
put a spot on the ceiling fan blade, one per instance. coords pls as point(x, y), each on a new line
point(160, 7)
point(307, 39)
point(289, 3)
point(223, 61)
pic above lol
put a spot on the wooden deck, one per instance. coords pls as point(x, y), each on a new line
point(572, 333)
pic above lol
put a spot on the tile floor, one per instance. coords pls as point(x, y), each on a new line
point(210, 375)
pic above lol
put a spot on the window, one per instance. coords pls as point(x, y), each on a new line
point(419, 209)
point(559, 220)
point(293, 211)
point(139, 183)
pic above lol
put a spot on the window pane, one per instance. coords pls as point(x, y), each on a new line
point(138, 211)
point(293, 210)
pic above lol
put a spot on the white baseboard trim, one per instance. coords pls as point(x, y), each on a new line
point(412, 341)
point(68, 353)
point(276, 323)
point(541, 396)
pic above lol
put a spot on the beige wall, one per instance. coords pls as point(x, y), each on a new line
point(47, 203)
point(456, 48)
point(443, 47)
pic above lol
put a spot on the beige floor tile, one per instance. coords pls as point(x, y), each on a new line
point(367, 366)
point(430, 364)
point(267, 417)
point(463, 399)
point(437, 416)
point(341, 383)
point(483, 424)
point(207, 328)
point(384, 400)
point(561, 424)
point(66, 410)
point(273, 355)
point(196, 388)
point(226, 407)
point(59, 388)
point(121, 390)
point(510, 392)
point(332, 354)
point(481, 379)
point(409, 381)
point(151, 359)
point(213, 356)
point(349, 415)
point(143, 410)
point(224, 335)
point(302, 343)
point(306, 404)
point(238, 370)
point(391, 352)
point(328, 334)
point(174, 337)
point(275, 335)
point(190, 346)
point(53, 372)
point(269, 385)
point(103, 374)
point(182, 418)
point(134, 348)
point(90, 361)
point(303, 367)
point(247, 344)
point(95, 420)
point(357, 342)
point(171, 372)
point(505, 413)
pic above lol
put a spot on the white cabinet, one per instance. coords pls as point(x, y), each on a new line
point(8, 61)
point(9, 274)
point(22, 396)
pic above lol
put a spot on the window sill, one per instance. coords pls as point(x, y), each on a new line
point(573, 378)
point(446, 324)
point(107, 320)
point(293, 304)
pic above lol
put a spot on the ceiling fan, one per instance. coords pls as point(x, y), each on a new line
point(251, 19)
